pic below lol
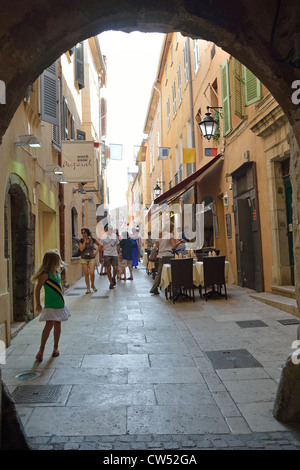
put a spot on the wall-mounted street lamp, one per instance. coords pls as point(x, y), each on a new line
point(56, 169)
point(225, 200)
point(28, 140)
point(59, 179)
point(208, 125)
point(157, 188)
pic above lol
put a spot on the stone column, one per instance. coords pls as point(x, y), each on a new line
point(287, 404)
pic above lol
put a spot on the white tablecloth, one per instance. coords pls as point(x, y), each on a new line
point(198, 275)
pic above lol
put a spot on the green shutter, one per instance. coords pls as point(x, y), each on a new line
point(237, 87)
point(225, 97)
point(79, 65)
point(252, 87)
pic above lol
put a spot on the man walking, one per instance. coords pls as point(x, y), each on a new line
point(110, 253)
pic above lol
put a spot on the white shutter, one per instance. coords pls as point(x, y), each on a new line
point(49, 95)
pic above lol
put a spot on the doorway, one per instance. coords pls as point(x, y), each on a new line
point(247, 228)
point(289, 221)
point(19, 243)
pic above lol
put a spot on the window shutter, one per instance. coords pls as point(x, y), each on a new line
point(252, 87)
point(65, 127)
point(49, 95)
point(237, 87)
point(80, 135)
point(225, 97)
point(79, 65)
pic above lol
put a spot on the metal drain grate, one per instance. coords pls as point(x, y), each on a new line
point(232, 359)
point(289, 321)
point(36, 393)
point(73, 293)
point(251, 323)
point(100, 297)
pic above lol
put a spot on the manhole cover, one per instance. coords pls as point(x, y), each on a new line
point(232, 359)
point(28, 375)
point(251, 323)
point(36, 393)
point(289, 321)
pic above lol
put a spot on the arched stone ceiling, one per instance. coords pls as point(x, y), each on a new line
point(34, 33)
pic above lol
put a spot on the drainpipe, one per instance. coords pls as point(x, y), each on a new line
point(187, 41)
point(61, 204)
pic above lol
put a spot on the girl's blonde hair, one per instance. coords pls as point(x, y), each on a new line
point(51, 260)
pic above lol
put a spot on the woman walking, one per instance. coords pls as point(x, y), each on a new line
point(88, 254)
point(54, 311)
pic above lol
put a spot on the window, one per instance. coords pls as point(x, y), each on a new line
point(237, 87)
point(186, 65)
point(172, 53)
point(252, 87)
point(168, 113)
point(80, 135)
point(174, 98)
point(225, 97)
point(49, 95)
point(72, 127)
point(74, 220)
point(196, 55)
point(65, 127)
point(79, 65)
point(179, 85)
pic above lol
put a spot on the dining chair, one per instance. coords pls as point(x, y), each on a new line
point(182, 278)
point(214, 274)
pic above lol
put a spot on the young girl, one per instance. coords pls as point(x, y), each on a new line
point(54, 311)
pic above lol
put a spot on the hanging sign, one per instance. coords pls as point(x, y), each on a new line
point(78, 161)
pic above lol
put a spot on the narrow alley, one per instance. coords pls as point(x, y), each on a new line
point(136, 371)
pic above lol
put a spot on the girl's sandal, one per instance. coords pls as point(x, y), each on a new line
point(94, 288)
point(88, 292)
point(39, 357)
point(55, 354)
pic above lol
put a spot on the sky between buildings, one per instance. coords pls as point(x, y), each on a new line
point(132, 61)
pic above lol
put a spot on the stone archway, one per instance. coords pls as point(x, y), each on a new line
point(259, 34)
point(18, 248)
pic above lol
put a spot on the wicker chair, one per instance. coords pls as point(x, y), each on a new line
point(214, 275)
point(182, 278)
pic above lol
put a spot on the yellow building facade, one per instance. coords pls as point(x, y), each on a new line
point(240, 178)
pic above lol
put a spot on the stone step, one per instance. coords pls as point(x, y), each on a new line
point(281, 302)
point(287, 291)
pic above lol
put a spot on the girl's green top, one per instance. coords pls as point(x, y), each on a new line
point(53, 292)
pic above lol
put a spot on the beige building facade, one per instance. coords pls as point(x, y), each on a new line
point(40, 212)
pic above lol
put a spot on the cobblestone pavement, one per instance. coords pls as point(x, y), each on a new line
point(138, 373)
point(165, 442)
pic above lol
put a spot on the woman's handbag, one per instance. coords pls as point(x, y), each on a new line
point(153, 255)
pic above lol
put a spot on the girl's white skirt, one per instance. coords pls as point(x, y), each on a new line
point(55, 314)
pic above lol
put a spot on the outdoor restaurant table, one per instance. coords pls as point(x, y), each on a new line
point(198, 274)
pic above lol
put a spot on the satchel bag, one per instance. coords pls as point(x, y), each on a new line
point(153, 255)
